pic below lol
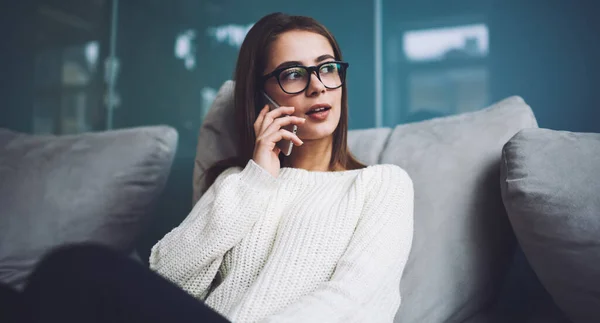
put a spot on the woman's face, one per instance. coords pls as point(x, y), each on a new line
point(309, 49)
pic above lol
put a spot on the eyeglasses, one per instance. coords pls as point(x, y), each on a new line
point(295, 79)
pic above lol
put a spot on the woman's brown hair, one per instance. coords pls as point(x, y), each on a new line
point(248, 101)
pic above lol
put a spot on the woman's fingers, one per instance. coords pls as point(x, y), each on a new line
point(284, 134)
point(271, 139)
point(282, 122)
point(259, 120)
point(274, 115)
point(269, 128)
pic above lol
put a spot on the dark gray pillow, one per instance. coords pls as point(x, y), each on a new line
point(93, 187)
point(551, 190)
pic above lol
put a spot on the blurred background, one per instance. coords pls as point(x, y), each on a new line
point(71, 66)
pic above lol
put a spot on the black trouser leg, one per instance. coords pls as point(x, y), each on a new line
point(95, 284)
point(11, 305)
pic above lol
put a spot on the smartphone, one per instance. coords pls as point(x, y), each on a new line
point(285, 145)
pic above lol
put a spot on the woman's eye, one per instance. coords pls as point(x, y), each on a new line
point(329, 68)
point(291, 75)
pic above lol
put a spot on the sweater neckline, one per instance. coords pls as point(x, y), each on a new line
point(298, 173)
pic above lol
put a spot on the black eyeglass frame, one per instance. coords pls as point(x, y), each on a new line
point(310, 70)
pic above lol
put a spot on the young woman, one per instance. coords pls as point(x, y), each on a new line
point(311, 237)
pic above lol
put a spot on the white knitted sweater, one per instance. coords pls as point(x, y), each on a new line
point(303, 247)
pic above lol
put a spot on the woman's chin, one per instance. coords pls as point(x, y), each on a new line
point(316, 131)
point(313, 136)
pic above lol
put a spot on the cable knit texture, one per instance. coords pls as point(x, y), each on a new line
point(302, 247)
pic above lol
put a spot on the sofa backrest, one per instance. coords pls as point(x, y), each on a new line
point(367, 145)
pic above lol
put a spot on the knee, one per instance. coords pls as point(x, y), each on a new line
point(11, 304)
point(74, 262)
point(80, 256)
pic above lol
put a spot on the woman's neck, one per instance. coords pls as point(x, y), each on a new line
point(313, 155)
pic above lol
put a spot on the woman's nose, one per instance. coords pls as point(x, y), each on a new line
point(315, 85)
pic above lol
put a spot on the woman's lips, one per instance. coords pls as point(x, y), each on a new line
point(319, 116)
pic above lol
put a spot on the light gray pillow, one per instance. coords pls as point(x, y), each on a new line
point(217, 138)
point(551, 190)
point(463, 244)
point(93, 187)
point(367, 144)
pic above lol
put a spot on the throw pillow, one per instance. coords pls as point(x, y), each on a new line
point(93, 187)
point(551, 190)
point(217, 137)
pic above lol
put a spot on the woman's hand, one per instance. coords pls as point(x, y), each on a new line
point(268, 130)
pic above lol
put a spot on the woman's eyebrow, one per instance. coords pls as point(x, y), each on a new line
point(295, 63)
point(323, 57)
point(288, 63)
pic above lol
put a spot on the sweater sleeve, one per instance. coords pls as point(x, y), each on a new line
point(365, 284)
point(191, 254)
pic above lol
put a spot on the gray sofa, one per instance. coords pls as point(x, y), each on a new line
point(500, 221)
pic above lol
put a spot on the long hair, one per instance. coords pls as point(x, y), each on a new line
point(248, 101)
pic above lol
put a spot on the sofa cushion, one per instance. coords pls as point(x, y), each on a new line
point(218, 134)
point(93, 187)
point(367, 145)
point(217, 137)
point(463, 242)
point(551, 190)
